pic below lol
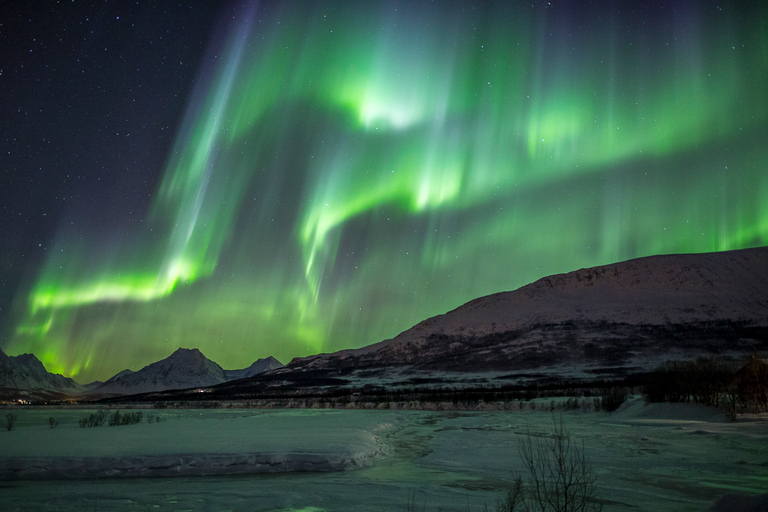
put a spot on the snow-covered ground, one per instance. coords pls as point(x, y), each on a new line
point(657, 457)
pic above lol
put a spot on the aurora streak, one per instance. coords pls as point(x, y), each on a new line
point(345, 170)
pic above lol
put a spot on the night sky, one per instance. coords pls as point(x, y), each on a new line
point(287, 178)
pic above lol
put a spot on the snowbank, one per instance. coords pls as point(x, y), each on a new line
point(194, 443)
point(638, 411)
point(646, 457)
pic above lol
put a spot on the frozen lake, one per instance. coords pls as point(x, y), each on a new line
point(657, 457)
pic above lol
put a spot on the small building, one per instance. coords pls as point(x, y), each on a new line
point(751, 382)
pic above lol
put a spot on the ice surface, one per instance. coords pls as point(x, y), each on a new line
point(193, 443)
point(657, 457)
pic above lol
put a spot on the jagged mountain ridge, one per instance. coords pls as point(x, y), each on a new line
point(25, 376)
point(27, 372)
point(185, 368)
point(613, 315)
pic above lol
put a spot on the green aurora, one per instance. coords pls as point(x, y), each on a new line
point(347, 169)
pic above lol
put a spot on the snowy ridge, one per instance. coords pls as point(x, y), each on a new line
point(27, 372)
point(25, 376)
point(673, 289)
point(115, 378)
point(623, 314)
point(259, 366)
point(185, 368)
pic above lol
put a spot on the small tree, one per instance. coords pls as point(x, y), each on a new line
point(560, 476)
point(10, 421)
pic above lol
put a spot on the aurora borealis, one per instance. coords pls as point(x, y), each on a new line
point(344, 170)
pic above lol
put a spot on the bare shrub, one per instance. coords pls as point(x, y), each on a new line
point(100, 417)
point(115, 419)
point(132, 418)
point(10, 421)
point(129, 418)
point(560, 476)
point(513, 500)
point(96, 419)
point(571, 404)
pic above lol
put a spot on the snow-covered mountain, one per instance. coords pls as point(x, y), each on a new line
point(625, 315)
point(26, 372)
point(185, 368)
point(25, 376)
point(110, 381)
point(259, 366)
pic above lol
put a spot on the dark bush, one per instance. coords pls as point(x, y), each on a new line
point(132, 418)
point(96, 419)
point(100, 417)
point(571, 404)
point(128, 418)
point(10, 421)
point(612, 398)
point(115, 419)
point(704, 381)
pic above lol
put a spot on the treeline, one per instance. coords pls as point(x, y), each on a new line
point(412, 390)
point(607, 398)
point(711, 381)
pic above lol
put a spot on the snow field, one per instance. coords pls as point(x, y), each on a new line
point(189, 442)
point(657, 457)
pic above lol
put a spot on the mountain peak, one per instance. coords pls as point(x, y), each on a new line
point(184, 368)
point(191, 354)
point(26, 372)
point(182, 350)
point(259, 366)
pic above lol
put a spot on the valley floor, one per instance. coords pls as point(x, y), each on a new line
point(647, 457)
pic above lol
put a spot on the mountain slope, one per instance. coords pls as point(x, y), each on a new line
point(627, 314)
point(259, 366)
point(25, 377)
point(26, 372)
point(185, 368)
